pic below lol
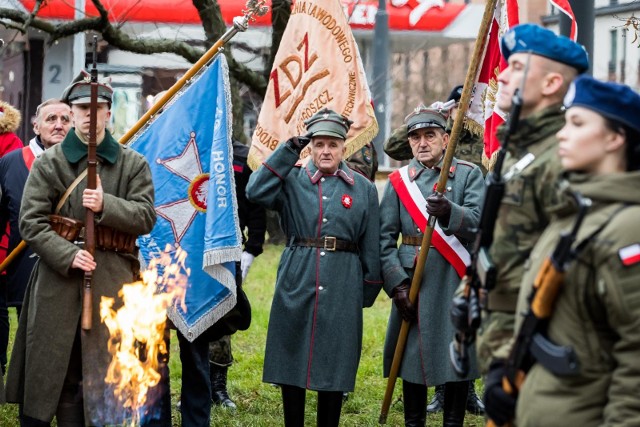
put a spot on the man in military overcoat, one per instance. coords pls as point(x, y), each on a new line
point(55, 369)
point(407, 202)
point(328, 272)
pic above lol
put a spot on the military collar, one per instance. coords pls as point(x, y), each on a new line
point(74, 150)
point(416, 168)
point(343, 172)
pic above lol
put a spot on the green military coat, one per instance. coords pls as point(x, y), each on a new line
point(597, 313)
point(426, 356)
point(50, 317)
point(314, 337)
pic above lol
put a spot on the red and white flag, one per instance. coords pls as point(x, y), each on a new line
point(630, 255)
point(483, 111)
point(565, 7)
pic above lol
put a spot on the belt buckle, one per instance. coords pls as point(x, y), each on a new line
point(331, 239)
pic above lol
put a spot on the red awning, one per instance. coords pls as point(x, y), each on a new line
point(362, 13)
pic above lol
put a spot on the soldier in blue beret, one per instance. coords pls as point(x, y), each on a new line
point(328, 272)
point(596, 312)
point(547, 63)
point(407, 201)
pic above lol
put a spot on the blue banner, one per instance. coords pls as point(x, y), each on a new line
point(188, 147)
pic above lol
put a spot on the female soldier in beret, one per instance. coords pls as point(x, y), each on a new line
point(597, 312)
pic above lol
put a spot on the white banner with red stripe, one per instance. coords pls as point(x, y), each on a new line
point(414, 201)
point(565, 7)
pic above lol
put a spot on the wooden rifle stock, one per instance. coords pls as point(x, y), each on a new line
point(92, 161)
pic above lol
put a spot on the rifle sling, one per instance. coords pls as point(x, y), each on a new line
point(69, 190)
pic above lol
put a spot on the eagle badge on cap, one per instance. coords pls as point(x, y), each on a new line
point(325, 116)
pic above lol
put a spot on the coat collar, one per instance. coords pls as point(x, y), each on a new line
point(74, 150)
point(416, 168)
point(343, 172)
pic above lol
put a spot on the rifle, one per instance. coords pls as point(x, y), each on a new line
point(92, 161)
point(481, 273)
point(530, 345)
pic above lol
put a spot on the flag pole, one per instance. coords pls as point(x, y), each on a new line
point(465, 98)
point(240, 24)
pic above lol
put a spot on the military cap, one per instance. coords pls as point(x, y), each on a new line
point(614, 101)
point(531, 38)
point(79, 91)
point(328, 123)
point(426, 117)
point(456, 93)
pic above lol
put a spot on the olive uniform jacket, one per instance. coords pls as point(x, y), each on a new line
point(50, 320)
point(314, 337)
point(597, 313)
point(426, 356)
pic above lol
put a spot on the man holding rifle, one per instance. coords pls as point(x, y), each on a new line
point(57, 370)
point(407, 201)
point(530, 196)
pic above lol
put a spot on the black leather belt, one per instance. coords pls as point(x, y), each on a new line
point(328, 243)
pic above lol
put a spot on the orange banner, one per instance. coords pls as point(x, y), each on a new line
point(317, 65)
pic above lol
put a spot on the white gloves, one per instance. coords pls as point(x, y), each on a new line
point(245, 263)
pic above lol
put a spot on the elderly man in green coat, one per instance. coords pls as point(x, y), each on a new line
point(407, 202)
point(55, 369)
point(328, 272)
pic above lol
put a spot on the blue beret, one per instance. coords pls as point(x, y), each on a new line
point(533, 38)
point(614, 101)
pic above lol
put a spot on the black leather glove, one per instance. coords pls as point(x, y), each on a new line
point(499, 405)
point(460, 313)
point(400, 297)
point(440, 207)
point(297, 143)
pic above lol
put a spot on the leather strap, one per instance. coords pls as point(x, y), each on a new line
point(328, 243)
point(67, 193)
point(412, 240)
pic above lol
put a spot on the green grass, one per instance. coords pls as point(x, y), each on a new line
point(260, 404)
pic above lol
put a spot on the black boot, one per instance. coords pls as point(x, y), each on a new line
point(293, 400)
point(455, 402)
point(219, 395)
point(329, 407)
point(415, 396)
point(437, 403)
point(474, 403)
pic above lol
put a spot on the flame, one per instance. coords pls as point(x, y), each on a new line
point(137, 329)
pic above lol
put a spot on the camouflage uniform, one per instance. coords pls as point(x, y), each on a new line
point(365, 161)
point(469, 147)
point(529, 198)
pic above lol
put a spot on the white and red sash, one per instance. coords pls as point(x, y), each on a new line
point(30, 152)
point(415, 203)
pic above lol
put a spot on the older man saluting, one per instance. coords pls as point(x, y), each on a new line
point(327, 273)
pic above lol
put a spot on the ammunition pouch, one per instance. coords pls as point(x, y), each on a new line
point(68, 228)
point(560, 360)
point(107, 238)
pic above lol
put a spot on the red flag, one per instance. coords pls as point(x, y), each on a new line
point(483, 111)
point(565, 7)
